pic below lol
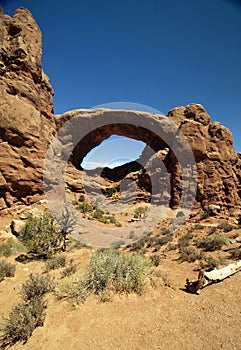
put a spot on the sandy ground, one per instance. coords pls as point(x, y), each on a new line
point(163, 318)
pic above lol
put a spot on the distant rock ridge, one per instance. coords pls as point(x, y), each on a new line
point(27, 126)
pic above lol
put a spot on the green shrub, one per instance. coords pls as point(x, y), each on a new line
point(41, 235)
point(36, 286)
point(22, 320)
point(56, 262)
point(84, 208)
point(213, 242)
point(139, 212)
point(11, 247)
point(6, 270)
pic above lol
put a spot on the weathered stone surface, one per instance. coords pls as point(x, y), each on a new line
point(218, 165)
point(26, 110)
point(27, 125)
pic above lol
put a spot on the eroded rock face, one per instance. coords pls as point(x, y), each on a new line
point(217, 164)
point(26, 110)
point(27, 125)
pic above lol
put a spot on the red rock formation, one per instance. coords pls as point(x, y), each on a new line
point(26, 109)
point(27, 125)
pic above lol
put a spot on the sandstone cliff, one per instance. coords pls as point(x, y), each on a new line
point(26, 109)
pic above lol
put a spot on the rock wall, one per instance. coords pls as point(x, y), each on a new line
point(26, 109)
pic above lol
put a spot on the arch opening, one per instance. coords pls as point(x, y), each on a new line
point(113, 152)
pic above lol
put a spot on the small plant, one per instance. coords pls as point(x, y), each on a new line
point(156, 260)
point(11, 247)
point(199, 227)
point(81, 198)
point(235, 253)
point(205, 215)
point(6, 270)
point(184, 240)
point(111, 219)
point(189, 254)
point(213, 242)
point(139, 212)
point(27, 315)
point(84, 207)
point(212, 230)
point(36, 286)
point(69, 270)
point(211, 263)
point(56, 262)
point(110, 191)
point(110, 271)
point(41, 235)
point(225, 226)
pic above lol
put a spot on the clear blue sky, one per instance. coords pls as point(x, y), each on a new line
point(155, 52)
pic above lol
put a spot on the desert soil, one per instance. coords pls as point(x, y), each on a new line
point(163, 318)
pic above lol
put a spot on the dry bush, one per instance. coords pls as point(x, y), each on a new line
point(56, 262)
point(6, 270)
point(36, 286)
point(213, 242)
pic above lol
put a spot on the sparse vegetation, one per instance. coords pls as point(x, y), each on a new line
point(55, 262)
point(235, 253)
point(156, 260)
point(12, 247)
point(23, 319)
point(70, 269)
point(213, 242)
point(25, 316)
point(95, 213)
point(139, 212)
point(189, 254)
point(225, 226)
point(184, 240)
point(205, 215)
point(6, 270)
point(110, 271)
